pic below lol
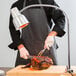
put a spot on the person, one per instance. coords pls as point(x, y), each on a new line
point(36, 37)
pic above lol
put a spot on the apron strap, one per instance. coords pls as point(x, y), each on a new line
point(39, 1)
point(24, 3)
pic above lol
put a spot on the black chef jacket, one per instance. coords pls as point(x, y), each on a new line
point(52, 14)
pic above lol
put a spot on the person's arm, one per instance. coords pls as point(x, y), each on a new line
point(58, 19)
point(17, 42)
point(15, 35)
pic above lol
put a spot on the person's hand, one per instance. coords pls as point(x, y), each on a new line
point(23, 52)
point(49, 42)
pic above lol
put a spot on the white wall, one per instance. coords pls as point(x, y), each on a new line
point(8, 56)
point(69, 7)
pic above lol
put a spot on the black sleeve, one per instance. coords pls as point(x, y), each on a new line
point(58, 18)
point(15, 35)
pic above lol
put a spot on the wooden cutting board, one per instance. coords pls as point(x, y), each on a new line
point(51, 71)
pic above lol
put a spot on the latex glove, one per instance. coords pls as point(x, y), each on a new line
point(23, 52)
point(49, 42)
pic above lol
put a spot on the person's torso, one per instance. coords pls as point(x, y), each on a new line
point(35, 33)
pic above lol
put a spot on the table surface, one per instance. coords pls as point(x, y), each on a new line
point(51, 71)
point(7, 69)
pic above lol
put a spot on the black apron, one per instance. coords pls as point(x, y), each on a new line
point(35, 33)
